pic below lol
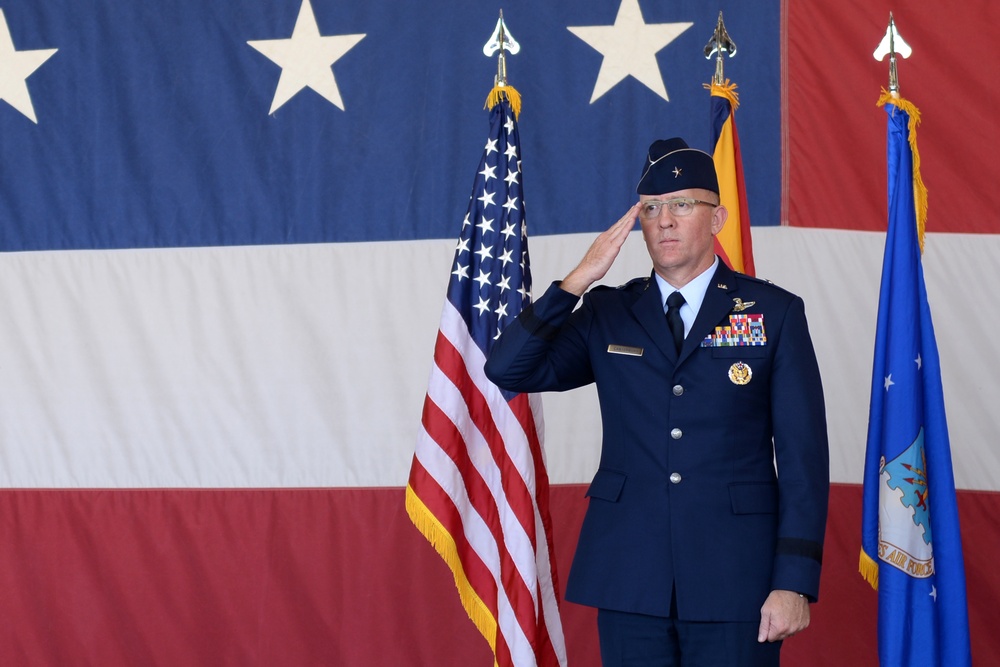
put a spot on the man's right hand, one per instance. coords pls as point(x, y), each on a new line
point(601, 255)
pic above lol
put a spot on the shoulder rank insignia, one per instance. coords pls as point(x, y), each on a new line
point(741, 305)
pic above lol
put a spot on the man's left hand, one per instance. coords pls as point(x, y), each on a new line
point(784, 614)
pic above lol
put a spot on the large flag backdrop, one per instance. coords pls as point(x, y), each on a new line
point(224, 254)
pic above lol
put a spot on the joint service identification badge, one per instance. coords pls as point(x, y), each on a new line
point(740, 373)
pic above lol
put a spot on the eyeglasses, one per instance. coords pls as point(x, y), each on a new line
point(679, 207)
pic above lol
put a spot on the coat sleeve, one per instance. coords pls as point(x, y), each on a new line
point(802, 457)
point(545, 348)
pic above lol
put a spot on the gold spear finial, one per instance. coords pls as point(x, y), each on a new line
point(892, 44)
point(504, 42)
point(719, 43)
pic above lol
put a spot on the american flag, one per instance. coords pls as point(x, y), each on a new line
point(478, 489)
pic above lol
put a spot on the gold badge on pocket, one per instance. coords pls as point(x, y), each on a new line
point(740, 373)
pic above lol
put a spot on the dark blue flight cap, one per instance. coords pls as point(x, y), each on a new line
point(672, 165)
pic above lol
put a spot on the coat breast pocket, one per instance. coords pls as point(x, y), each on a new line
point(740, 352)
point(607, 485)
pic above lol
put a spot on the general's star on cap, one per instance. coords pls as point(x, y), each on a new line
point(306, 59)
point(629, 47)
point(15, 68)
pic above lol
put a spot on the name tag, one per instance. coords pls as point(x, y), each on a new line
point(625, 349)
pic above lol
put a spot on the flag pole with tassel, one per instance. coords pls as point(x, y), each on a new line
point(733, 243)
point(503, 42)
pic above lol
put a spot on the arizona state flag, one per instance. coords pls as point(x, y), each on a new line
point(733, 243)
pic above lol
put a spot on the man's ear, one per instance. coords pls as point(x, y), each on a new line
point(719, 218)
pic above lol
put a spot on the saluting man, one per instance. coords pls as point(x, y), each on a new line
point(703, 536)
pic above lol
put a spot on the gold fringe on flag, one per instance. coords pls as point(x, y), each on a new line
point(919, 189)
point(444, 543)
point(868, 569)
point(725, 89)
point(499, 92)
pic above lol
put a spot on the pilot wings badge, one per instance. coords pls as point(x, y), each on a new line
point(741, 305)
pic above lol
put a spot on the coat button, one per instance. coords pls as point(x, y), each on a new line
point(675, 477)
point(678, 390)
point(676, 434)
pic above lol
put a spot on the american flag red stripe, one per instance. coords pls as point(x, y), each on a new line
point(478, 478)
point(515, 491)
point(478, 487)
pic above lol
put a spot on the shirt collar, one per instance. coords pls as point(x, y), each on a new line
point(693, 292)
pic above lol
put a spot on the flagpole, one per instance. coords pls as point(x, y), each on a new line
point(893, 44)
point(502, 42)
point(719, 44)
point(733, 243)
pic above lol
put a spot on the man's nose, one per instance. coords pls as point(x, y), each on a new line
point(666, 219)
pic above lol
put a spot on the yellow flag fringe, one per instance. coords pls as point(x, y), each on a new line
point(444, 544)
point(919, 189)
point(725, 89)
point(868, 569)
point(499, 92)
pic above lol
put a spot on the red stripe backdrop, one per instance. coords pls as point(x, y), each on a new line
point(383, 598)
point(835, 153)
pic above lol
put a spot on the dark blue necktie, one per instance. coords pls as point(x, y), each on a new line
point(674, 303)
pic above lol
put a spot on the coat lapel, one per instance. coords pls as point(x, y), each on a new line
point(717, 304)
point(648, 310)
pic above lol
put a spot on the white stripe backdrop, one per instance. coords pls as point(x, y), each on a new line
point(307, 365)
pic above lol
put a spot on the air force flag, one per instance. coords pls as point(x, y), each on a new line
point(911, 545)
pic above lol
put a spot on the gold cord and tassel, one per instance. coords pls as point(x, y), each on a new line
point(919, 189)
point(499, 92)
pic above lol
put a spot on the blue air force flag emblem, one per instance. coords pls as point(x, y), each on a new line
point(904, 520)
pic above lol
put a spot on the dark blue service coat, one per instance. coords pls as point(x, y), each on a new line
point(686, 496)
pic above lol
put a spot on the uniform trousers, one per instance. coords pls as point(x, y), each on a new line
point(638, 640)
